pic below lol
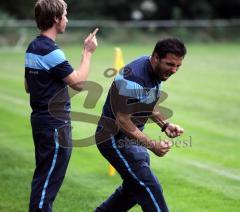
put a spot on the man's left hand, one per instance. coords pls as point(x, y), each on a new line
point(173, 130)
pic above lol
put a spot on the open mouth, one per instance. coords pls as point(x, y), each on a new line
point(167, 75)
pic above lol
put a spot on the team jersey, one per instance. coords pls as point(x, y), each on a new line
point(135, 90)
point(45, 68)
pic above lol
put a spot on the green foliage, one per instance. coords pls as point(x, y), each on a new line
point(122, 9)
point(22, 9)
point(4, 15)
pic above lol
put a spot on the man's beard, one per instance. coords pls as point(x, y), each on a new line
point(158, 74)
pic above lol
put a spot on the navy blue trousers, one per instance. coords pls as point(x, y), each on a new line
point(139, 186)
point(52, 153)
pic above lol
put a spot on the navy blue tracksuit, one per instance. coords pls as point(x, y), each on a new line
point(134, 91)
point(139, 186)
point(45, 69)
point(51, 164)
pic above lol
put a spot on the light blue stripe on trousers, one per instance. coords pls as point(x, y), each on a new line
point(134, 176)
point(51, 169)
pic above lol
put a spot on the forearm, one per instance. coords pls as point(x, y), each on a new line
point(83, 69)
point(90, 44)
point(130, 129)
point(78, 77)
point(171, 130)
point(125, 123)
point(158, 118)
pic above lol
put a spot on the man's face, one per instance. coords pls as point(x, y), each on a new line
point(167, 66)
point(61, 25)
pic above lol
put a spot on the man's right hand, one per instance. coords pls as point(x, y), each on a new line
point(77, 78)
point(160, 148)
point(90, 43)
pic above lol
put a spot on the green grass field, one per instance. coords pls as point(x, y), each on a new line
point(204, 96)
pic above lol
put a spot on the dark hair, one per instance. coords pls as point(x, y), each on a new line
point(170, 45)
point(46, 11)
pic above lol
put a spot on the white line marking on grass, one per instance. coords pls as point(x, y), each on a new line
point(13, 100)
point(212, 169)
point(15, 105)
point(9, 49)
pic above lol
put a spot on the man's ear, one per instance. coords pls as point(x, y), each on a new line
point(156, 57)
point(56, 20)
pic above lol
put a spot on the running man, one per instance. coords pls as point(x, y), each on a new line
point(130, 102)
point(47, 71)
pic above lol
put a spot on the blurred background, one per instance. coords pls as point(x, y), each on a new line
point(202, 172)
point(123, 21)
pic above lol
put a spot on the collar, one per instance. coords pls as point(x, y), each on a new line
point(151, 72)
point(45, 37)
